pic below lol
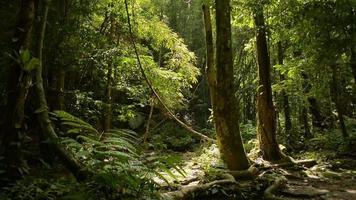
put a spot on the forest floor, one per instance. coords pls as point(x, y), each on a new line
point(333, 177)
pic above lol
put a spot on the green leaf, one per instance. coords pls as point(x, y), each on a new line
point(31, 65)
point(25, 56)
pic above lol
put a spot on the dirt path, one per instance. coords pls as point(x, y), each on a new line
point(321, 183)
point(333, 180)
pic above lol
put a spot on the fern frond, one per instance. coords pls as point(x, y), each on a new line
point(72, 121)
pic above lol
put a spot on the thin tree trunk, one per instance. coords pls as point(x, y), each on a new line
point(336, 94)
point(266, 112)
point(17, 89)
point(305, 122)
point(353, 62)
point(145, 136)
point(61, 76)
point(225, 106)
point(108, 102)
point(286, 108)
point(42, 113)
point(318, 119)
point(210, 55)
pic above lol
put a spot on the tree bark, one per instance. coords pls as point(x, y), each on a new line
point(42, 112)
point(286, 108)
point(17, 89)
point(266, 112)
point(210, 55)
point(225, 106)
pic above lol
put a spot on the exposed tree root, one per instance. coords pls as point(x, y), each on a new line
point(250, 173)
point(304, 163)
point(186, 182)
point(279, 183)
point(187, 191)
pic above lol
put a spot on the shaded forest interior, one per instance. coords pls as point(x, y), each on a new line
point(177, 99)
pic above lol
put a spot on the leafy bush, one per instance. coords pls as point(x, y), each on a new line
point(248, 131)
point(171, 136)
point(39, 188)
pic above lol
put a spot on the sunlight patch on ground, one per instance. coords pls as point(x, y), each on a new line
point(195, 165)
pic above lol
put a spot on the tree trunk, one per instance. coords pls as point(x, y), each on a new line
point(286, 109)
point(222, 89)
point(210, 55)
point(108, 102)
point(61, 76)
point(305, 123)
point(17, 89)
point(318, 119)
point(266, 112)
point(42, 113)
point(336, 95)
point(353, 62)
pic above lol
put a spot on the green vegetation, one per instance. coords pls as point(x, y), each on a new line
point(177, 99)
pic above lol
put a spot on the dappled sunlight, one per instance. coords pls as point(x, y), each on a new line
point(178, 99)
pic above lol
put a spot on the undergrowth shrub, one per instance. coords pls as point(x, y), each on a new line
point(171, 136)
point(119, 167)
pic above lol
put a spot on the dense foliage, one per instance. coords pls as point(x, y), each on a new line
point(104, 99)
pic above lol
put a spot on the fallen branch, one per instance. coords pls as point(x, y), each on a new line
point(187, 191)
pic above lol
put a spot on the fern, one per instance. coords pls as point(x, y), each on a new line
point(114, 156)
point(75, 124)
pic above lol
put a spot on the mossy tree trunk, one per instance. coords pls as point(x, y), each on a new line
point(221, 81)
point(265, 109)
point(18, 86)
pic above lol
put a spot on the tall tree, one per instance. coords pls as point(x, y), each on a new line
point(17, 88)
point(336, 97)
point(266, 112)
point(42, 109)
point(225, 108)
point(286, 109)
